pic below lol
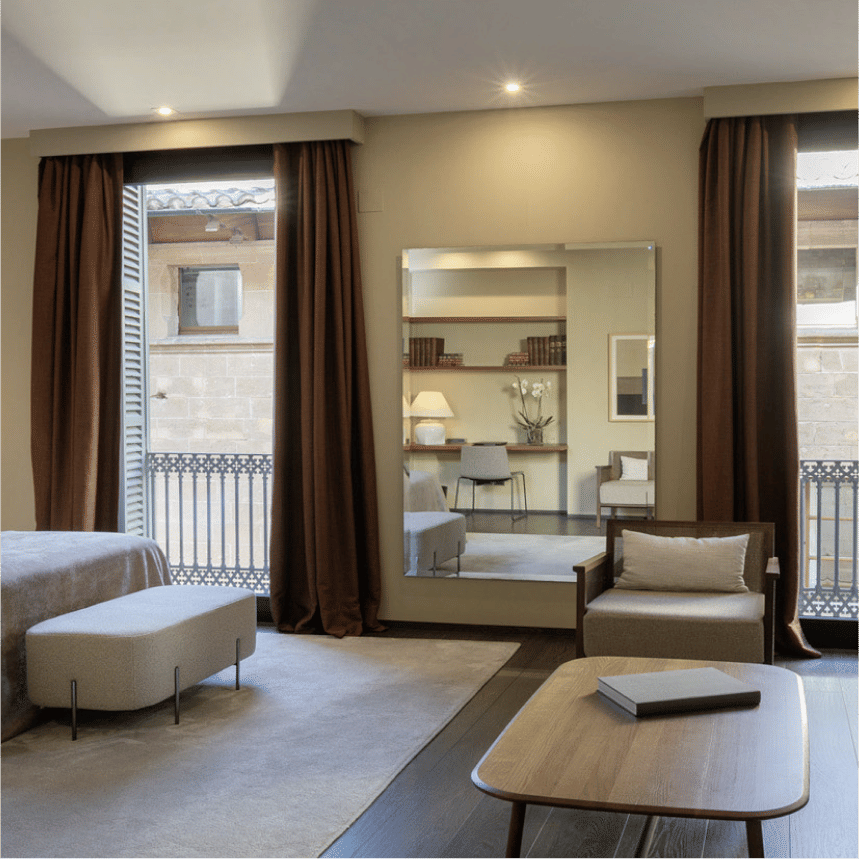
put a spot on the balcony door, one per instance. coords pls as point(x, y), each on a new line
point(198, 311)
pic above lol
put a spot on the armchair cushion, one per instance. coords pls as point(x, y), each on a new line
point(626, 493)
point(633, 468)
point(720, 626)
point(654, 563)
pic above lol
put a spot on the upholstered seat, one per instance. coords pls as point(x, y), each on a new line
point(430, 538)
point(727, 620)
point(665, 624)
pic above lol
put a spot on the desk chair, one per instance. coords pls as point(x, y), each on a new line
point(488, 465)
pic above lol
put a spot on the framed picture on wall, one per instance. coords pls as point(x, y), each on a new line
point(630, 377)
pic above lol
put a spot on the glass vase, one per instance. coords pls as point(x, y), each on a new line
point(535, 435)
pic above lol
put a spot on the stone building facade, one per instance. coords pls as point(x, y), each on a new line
point(211, 393)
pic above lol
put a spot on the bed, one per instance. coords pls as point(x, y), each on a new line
point(422, 491)
point(48, 573)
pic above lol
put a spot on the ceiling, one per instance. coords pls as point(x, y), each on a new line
point(93, 62)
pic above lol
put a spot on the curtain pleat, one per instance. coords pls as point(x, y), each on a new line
point(76, 416)
point(324, 560)
point(748, 449)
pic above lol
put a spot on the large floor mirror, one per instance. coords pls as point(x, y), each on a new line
point(541, 360)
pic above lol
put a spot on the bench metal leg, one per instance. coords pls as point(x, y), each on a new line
point(176, 694)
point(74, 691)
point(238, 659)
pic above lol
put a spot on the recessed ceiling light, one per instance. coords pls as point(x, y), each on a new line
point(164, 111)
point(512, 86)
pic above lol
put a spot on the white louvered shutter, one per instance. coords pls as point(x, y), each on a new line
point(133, 504)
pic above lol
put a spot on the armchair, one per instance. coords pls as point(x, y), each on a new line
point(718, 624)
point(616, 489)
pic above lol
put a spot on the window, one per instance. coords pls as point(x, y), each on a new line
point(210, 300)
point(827, 179)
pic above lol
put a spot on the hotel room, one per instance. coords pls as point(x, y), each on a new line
point(599, 149)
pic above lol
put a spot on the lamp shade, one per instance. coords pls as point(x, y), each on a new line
point(427, 405)
point(431, 404)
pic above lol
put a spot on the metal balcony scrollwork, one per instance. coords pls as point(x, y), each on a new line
point(211, 514)
point(829, 532)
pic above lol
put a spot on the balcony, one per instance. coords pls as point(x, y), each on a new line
point(211, 513)
point(828, 539)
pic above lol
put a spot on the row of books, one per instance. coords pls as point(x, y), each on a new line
point(551, 350)
point(542, 351)
point(425, 351)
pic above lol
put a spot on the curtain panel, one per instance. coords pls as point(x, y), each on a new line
point(76, 415)
point(324, 560)
point(748, 449)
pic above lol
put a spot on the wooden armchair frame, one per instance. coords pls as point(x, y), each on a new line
point(761, 569)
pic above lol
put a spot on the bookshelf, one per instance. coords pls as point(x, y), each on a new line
point(484, 343)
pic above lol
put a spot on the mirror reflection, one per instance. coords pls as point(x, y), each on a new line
point(508, 411)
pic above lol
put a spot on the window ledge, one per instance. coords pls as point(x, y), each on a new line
point(215, 342)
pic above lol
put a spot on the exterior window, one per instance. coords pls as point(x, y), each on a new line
point(826, 287)
point(826, 239)
point(210, 300)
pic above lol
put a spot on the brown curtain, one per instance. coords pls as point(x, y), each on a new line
point(325, 568)
point(748, 450)
point(76, 360)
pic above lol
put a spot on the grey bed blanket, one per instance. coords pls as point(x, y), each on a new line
point(48, 573)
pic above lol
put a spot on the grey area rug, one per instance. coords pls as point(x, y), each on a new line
point(280, 767)
point(541, 558)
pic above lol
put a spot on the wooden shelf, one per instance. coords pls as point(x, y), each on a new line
point(486, 319)
point(525, 368)
point(511, 448)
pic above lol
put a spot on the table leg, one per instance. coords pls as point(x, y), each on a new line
point(646, 840)
point(755, 837)
point(517, 826)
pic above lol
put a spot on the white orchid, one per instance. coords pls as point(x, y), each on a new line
point(538, 391)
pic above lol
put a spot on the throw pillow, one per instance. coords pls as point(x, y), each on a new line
point(654, 563)
point(633, 468)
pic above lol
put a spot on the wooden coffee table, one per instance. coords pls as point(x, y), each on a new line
point(570, 747)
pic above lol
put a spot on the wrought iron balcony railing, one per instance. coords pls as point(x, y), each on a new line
point(828, 538)
point(211, 513)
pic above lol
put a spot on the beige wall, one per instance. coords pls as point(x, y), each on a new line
point(611, 172)
point(592, 173)
point(20, 175)
point(600, 172)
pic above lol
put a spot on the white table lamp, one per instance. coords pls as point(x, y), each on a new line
point(426, 405)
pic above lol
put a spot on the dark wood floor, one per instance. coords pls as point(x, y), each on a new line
point(432, 809)
point(500, 522)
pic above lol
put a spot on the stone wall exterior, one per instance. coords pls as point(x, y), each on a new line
point(211, 394)
point(828, 401)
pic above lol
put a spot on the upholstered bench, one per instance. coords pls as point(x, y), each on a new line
point(139, 649)
point(430, 538)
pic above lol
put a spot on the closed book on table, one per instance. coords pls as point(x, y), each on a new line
point(677, 691)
